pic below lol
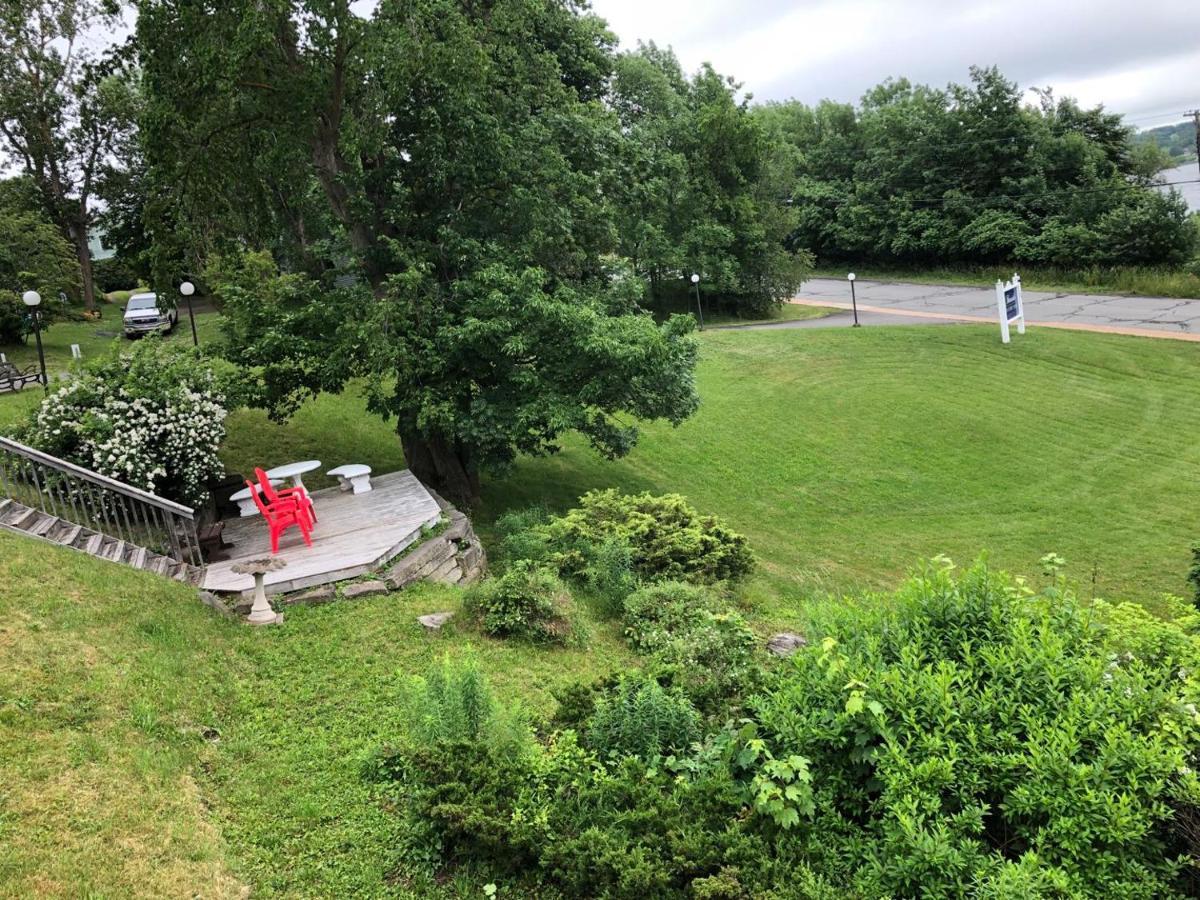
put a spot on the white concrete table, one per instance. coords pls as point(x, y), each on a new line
point(294, 471)
point(356, 477)
point(245, 502)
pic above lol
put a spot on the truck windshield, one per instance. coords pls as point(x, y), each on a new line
point(150, 302)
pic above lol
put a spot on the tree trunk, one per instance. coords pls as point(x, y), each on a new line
point(443, 466)
point(79, 237)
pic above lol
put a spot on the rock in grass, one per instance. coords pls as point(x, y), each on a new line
point(364, 589)
point(435, 621)
point(786, 643)
point(323, 594)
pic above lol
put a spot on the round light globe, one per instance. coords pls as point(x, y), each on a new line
point(695, 279)
point(850, 277)
point(31, 298)
point(187, 289)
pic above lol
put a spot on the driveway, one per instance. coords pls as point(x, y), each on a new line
point(888, 302)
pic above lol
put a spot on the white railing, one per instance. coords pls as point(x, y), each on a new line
point(97, 502)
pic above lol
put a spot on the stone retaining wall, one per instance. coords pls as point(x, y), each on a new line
point(453, 556)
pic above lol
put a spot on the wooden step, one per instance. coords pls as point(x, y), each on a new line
point(81, 539)
point(137, 559)
point(94, 543)
point(68, 535)
point(160, 566)
point(41, 526)
point(5, 503)
point(23, 517)
point(115, 551)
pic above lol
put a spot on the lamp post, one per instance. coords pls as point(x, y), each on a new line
point(699, 310)
point(853, 299)
point(187, 289)
point(33, 300)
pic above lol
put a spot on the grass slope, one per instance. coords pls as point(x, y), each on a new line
point(149, 748)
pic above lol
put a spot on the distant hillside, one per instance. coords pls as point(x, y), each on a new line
point(1178, 140)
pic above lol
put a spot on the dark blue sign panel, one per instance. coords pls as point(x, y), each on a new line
point(1011, 307)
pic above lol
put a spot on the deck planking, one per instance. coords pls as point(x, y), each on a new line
point(354, 534)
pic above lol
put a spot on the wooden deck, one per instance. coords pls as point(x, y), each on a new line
point(355, 533)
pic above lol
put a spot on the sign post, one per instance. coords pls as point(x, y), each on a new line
point(1011, 306)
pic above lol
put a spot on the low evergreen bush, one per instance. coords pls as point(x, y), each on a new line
point(528, 601)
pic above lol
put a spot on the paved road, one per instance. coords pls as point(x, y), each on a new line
point(882, 302)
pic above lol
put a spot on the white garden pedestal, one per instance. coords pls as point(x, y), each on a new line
point(261, 612)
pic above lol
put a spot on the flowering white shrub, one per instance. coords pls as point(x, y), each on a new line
point(152, 417)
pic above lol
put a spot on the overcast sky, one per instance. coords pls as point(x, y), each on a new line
point(1137, 58)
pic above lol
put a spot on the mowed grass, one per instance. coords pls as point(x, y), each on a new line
point(150, 748)
point(97, 339)
point(845, 455)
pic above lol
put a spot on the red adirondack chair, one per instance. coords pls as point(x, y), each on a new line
point(296, 495)
point(280, 517)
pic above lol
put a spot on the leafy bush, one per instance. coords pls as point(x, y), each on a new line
point(974, 737)
point(15, 323)
point(114, 274)
point(967, 738)
point(666, 538)
point(639, 718)
point(693, 640)
point(453, 702)
point(528, 601)
point(152, 416)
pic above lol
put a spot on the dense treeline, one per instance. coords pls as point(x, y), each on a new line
point(917, 175)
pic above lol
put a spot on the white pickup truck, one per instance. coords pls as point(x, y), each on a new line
point(142, 316)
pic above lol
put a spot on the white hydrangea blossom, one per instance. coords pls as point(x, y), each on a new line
point(166, 445)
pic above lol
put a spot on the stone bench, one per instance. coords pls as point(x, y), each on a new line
point(355, 478)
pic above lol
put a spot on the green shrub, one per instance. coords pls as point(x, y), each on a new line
point(528, 601)
point(639, 718)
point(967, 738)
point(113, 274)
point(658, 612)
point(522, 535)
point(693, 641)
point(152, 416)
point(610, 576)
point(666, 537)
point(976, 739)
point(452, 702)
point(15, 322)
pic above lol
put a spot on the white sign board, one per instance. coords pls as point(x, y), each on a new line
point(75, 353)
point(1010, 305)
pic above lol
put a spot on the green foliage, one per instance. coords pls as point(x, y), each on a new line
point(638, 718)
point(152, 416)
point(693, 641)
point(968, 738)
point(917, 175)
point(451, 160)
point(698, 187)
point(972, 728)
point(453, 702)
point(666, 538)
point(33, 256)
point(114, 274)
point(1193, 575)
point(1178, 141)
point(528, 601)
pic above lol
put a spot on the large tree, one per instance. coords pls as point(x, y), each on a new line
point(446, 161)
point(61, 109)
point(703, 185)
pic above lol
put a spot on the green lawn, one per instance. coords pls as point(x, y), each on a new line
point(95, 339)
point(149, 748)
